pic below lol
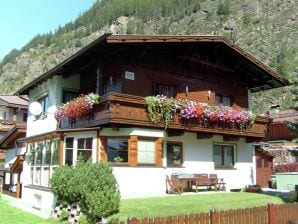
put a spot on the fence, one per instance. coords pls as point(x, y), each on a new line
point(272, 214)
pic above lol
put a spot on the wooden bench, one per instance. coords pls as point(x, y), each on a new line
point(210, 181)
point(202, 179)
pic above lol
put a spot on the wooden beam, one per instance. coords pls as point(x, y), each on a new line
point(251, 139)
point(204, 135)
point(175, 132)
point(233, 138)
point(61, 148)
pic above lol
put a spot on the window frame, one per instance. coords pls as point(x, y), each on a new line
point(43, 181)
point(221, 100)
point(155, 151)
point(69, 149)
point(107, 148)
point(84, 147)
point(70, 91)
point(234, 155)
point(44, 102)
point(157, 89)
point(75, 149)
point(181, 154)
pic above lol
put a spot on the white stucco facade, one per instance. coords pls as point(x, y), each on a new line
point(53, 88)
point(149, 181)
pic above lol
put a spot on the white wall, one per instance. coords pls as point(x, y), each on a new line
point(140, 182)
point(38, 201)
point(197, 156)
point(135, 182)
point(53, 88)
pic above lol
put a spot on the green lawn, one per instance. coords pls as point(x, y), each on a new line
point(187, 204)
point(13, 215)
point(154, 207)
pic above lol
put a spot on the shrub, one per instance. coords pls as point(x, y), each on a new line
point(92, 185)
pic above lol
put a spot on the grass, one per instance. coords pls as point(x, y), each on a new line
point(156, 207)
point(13, 215)
point(187, 204)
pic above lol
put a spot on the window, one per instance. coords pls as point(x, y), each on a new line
point(84, 148)
point(68, 96)
point(76, 148)
point(69, 151)
point(41, 161)
point(146, 152)
point(111, 84)
point(44, 101)
point(46, 161)
point(174, 154)
point(117, 150)
point(165, 90)
point(55, 154)
point(25, 115)
point(224, 100)
point(223, 156)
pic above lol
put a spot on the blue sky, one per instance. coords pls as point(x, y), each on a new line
point(21, 20)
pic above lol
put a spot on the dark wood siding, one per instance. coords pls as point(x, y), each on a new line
point(198, 69)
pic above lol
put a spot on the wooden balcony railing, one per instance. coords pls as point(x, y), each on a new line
point(117, 109)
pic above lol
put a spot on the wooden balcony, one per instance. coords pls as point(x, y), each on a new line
point(118, 109)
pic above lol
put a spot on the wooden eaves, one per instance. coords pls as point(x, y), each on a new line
point(101, 46)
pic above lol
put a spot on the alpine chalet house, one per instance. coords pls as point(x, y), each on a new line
point(168, 105)
point(13, 116)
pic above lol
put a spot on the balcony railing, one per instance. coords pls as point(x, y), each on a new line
point(122, 109)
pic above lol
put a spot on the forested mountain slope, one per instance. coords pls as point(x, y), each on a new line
point(268, 29)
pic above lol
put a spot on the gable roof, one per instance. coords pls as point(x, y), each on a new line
point(14, 101)
point(260, 76)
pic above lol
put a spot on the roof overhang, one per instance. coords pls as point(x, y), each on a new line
point(10, 138)
point(262, 76)
point(17, 166)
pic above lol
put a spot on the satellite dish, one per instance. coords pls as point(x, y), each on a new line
point(35, 108)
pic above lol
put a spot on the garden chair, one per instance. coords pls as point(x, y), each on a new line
point(174, 185)
point(218, 183)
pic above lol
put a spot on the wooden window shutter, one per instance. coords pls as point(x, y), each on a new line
point(133, 151)
point(159, 150)
point(103, 148)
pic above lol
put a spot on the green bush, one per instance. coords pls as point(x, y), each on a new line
point(92, 185)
